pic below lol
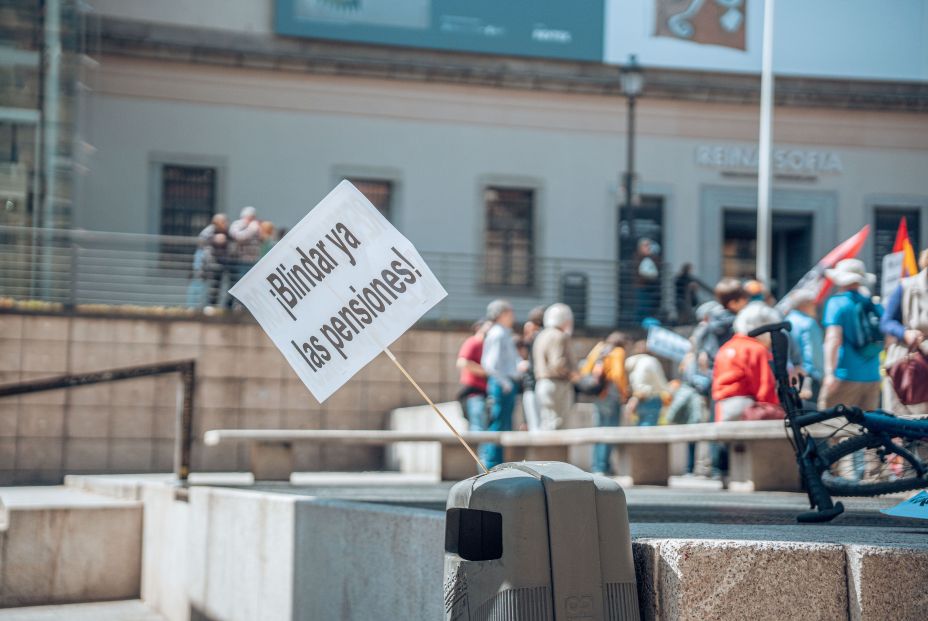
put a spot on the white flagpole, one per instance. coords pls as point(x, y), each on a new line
point(764, 149)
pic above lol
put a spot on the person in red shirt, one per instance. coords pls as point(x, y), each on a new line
point(473, 393)
point(742, 375)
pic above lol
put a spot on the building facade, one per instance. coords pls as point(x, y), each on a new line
point(503, 170)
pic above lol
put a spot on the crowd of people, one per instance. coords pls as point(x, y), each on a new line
point(837, 355)
point(225, 252)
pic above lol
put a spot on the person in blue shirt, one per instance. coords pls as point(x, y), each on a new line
point(851, 375)
point(808, 339)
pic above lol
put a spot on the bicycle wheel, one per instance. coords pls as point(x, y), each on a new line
point(862, 466)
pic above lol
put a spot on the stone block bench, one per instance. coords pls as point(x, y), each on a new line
point(761, 457)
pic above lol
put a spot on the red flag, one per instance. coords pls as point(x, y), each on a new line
point(904, 245)
point(815, 280)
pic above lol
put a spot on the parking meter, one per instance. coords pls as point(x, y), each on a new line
point(539, 541)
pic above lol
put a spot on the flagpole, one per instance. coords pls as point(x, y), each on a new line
point(764, 149)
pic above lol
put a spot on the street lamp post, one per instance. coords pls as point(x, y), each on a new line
point(631, 80)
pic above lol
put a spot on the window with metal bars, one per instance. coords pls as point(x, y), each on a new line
point(188, 199)
point(510, 253)
point(377, 191)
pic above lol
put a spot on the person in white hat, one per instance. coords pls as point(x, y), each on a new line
point(852, 345)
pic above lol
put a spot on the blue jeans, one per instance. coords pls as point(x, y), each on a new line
point(649, 410)
point(475, 409)
point(501, 406)
point(607, 414)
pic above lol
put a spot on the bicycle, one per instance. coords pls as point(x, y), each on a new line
point(844, 451)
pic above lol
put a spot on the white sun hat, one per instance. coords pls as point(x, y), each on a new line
point(850, 272)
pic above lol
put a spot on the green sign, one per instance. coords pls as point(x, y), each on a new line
point(566, 29)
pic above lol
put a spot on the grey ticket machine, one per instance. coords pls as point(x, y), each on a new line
point(538, 541)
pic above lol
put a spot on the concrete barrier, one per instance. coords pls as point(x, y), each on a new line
point(60, 545)
point(229, 554)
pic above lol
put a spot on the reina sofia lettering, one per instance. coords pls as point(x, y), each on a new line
point(796, 161)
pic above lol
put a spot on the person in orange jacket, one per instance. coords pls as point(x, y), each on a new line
point(742, 375)
point(607, 360)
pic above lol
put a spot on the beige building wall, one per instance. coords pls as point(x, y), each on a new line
point(283, 138)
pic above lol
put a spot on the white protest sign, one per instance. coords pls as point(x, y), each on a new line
point(914, 507)
point(667, 343)
point(338, 289)
point(892, 273)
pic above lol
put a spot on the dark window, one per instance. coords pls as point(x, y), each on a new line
point(643, 220)
point(377, 191)
point(790, 250)
point(188, 199)
point(886, 225)
point(510, 251)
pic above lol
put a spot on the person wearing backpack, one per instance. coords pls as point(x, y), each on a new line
point(853, 340)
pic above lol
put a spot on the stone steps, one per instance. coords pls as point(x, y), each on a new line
point(130, 610)
point(63, 545)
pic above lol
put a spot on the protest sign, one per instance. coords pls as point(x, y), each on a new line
point(667, 343)
point(914, 507)
point(892, 273)
point(338, 289)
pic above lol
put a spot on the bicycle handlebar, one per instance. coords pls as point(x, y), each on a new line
point(771, 327)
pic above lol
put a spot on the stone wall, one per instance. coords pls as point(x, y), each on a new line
point(242, 382)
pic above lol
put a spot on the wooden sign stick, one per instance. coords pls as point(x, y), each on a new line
point(437, 411)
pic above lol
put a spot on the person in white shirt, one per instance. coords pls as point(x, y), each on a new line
point(648, 385)
point(503, 367)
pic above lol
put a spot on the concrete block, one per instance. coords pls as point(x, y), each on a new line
point(130, 610)
point(133, 354)
point(347, 399)
point(11, 327)
point(7, 453)
point(293, 419)
point(65, 546)
point(138, 331)
point(307, 458)
point(645, 464)
point(456, 462)
point(260, 419)
point(271, 461)
point(295, 396)
point(41, 328)
point(36, 476)
point(88, 421)
point(166, 387)
point(10, 355)
point(41, 421)
point(9, 418)
point(163, 421)
point(182, 333)
point(262, 363)
point(93, 330)
point(49, 357)
point(424, 367)
point(252, 336)
point(39, 453)
point(162, 455)
point(384, 396)
point(224, 393)
point(221, 334)
point(763, 465)
point(886, 583)
point(218, 361)
point(130, 455)
point(133, 392)
point(261, 394)
point(713, 579)
point(92, 356)
point(392, 570)
point(86, 455)
point(131, 421)
point(352, 458)
point(165, 565)
point(93, 395)
point(242, 546)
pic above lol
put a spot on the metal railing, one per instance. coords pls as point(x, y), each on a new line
point(90, 270)
point(183, 425)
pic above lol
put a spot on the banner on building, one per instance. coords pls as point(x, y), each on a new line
point(709, 22)
point(338, 289)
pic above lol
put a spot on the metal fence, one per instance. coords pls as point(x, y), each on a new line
point(89, 270)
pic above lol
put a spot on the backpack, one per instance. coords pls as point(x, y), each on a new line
point(865, 336)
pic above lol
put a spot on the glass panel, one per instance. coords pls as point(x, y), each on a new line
point(509, 253)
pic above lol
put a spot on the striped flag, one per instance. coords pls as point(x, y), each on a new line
point(904, 245)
